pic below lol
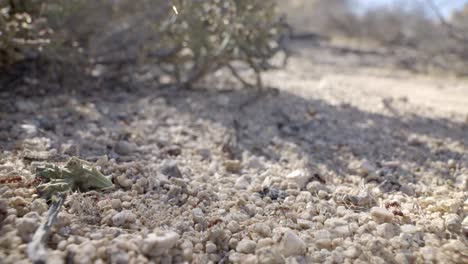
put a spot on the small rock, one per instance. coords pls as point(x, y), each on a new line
point(255, 163)
point(452, 163)
point(118, 257)
point(324, 243)
point(409, 229)
point(464, 225)
point(170, 169)
point(265, 242)
point(300, 177)
point(453, 222)
point(18, 201)
point(334, 221)
point(363, 168)
point(205, 153)
point(387, 230)
point(414, 140)
point(232, 166)
point(116, 204)
point(269, 256)
point(123, 217)
point(233, 226)
point(198, 215)
point(29, 129)
point(242, 183)
point(322, 194)
point(461, 182)
point(305, 224)
point(55, 257)
point(381, 215)
point(406, 189)
point(210, 247)
point(273, 193)
point(352, 252)
point(292, 244)
point(454, 251)
point(402, 258)
point(85, 253)
point(27, 225)
point(26, 106)
point(39, 206)
point(342, 231)
point(246, 246)
point(70, 149)
point(124, 148)
point(262, 229)
point(315, 186)
point(158, 243)
point(123, 181)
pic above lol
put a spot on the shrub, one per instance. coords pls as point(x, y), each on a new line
point(22, 31)
point(185, 39)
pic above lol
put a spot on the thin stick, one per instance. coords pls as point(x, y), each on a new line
point(37, 251)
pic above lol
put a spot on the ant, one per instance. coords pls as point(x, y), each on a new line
point(397, 207)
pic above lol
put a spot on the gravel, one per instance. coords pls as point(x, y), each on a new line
point(349, 181)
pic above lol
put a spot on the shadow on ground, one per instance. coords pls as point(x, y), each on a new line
point(272, 126)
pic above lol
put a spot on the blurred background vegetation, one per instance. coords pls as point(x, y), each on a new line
point(433, 32)
point(183, 41)
point(180, 40)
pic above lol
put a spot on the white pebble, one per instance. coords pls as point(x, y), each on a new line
point(246, 246)
point(156, 244)
point(381, 215)
point(241, 183)
point(123, 217)
point(198, 215)
point(269, 256)
point(233, 226)
point(300, 177)
point(27, 225)
point(262, 229)
point(210, 247)
point(387, 230)
point(452, 222)
point(292, 244)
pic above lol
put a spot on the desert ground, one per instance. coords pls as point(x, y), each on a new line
point(344, 157)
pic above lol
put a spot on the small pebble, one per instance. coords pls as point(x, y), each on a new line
point(242, 183)
point(381, 215)
point(262, 229)
point(158, 243)
point(170, 169)
point(300, 177)
point(232, 166)
point(387, 230)
point(246, 246)
point(210, 247)
point(124, 148)
point(292, 244)
point(123, 217)
point(269, 256)
point(453, 222)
